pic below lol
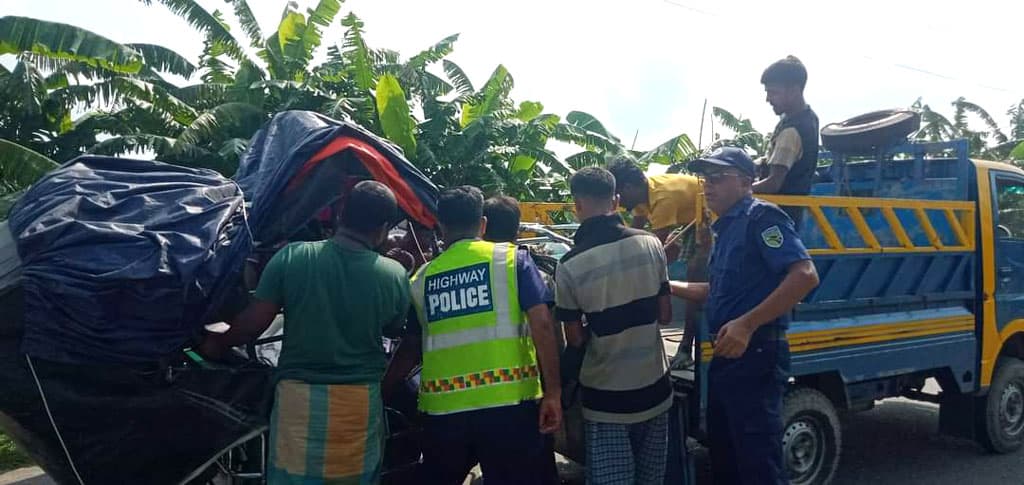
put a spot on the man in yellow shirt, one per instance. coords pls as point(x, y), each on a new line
point(664, 203)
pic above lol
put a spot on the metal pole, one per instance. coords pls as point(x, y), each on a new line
point(700, 136)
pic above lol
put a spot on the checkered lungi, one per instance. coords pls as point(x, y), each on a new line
point(627, 453)
point(326, 434)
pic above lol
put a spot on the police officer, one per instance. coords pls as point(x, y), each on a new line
point(759, 270)
point(485, 333)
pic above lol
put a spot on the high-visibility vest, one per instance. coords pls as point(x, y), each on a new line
point(477, 352)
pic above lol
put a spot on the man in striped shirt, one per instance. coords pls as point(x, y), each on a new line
point(615, 279)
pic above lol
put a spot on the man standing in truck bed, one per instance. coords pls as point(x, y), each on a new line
point(793, 150)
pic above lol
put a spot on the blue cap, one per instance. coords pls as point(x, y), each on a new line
point(724, 157)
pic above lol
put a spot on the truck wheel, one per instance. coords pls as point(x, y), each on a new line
point(1003, 419)
point(811, 437)
point(869, 131)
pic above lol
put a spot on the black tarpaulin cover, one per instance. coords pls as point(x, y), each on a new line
point(123, 260)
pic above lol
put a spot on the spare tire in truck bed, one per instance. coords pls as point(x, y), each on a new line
point(870, 131)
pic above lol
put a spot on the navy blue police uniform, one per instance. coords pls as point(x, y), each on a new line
point(755, 244)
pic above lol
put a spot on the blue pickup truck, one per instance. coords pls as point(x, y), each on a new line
point(920, 252)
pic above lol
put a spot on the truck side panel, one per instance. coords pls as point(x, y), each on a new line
point(897, 255)
point(884, 345)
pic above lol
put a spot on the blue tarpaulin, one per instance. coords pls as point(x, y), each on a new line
point(122, 259)
point(120, 262)
point(125, 260)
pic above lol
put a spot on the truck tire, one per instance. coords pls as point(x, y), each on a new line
point(869, 131)
point(811, 438)
point(1002, 416)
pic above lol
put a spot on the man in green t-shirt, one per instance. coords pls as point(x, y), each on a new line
point(340, 298)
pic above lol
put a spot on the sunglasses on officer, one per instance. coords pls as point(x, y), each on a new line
point(717, 177)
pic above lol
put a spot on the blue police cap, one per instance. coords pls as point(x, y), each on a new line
point(724, 157)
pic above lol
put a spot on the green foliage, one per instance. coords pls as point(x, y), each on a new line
point(588, 122)
point(10, 456)
point(163, 59)
point(529, 110)
point(65, 42)
point(491, 99)
point(356, 53)
point(395, 120)
point(459, 78)
point(744, 133)
point(20, 166)
point(426, 104)
point(988, 142)
point(132, 145)
point(676, 150)
point(1018, 152)
point(248, 22)
point(211, 24)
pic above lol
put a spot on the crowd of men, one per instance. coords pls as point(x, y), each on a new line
point(476, 312)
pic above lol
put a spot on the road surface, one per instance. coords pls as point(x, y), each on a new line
point(895, 443)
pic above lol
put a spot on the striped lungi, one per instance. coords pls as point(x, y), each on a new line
point(326, 434)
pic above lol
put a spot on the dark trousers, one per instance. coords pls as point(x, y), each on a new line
point(745, 415)
point(505, 441)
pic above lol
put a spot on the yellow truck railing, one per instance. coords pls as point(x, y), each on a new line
point(544, 212)
point(958, 214)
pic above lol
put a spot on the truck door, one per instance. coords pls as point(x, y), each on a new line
point(1009, 246)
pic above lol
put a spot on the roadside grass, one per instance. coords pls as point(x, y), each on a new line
point(10, 456)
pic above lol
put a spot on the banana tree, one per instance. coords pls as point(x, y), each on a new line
point(989, 142)
point(676, 150)
point(585, 131)
point(425, 104)
point(601, 147)
point(1010, 146)
point(60, 70)
point(934, 126)
point(350, 84)
point(482, 137)
point(62, 42)
point(744, 133)
point(1016, 145)
point(63, 69)
point(19, 168)
point(239, 91)
point(978, 139)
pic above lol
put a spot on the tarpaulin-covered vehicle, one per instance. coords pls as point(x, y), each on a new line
point(109, 270)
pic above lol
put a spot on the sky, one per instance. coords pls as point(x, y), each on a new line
point(646, 67)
